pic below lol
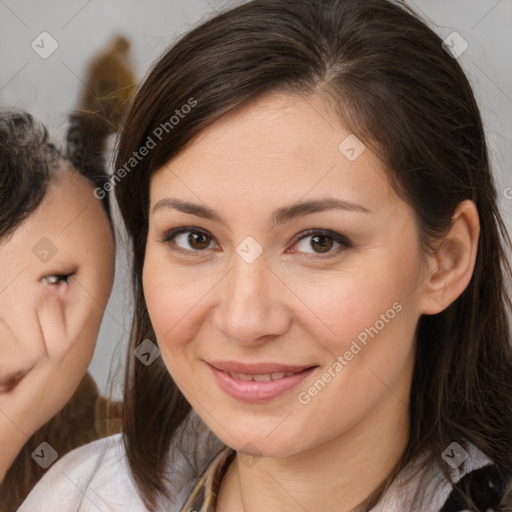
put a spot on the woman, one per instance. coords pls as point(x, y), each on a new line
point(317, 254)
point(56, 274)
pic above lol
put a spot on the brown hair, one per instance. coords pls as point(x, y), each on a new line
point(387, 76)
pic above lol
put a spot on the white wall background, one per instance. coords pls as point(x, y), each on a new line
point(49, 88)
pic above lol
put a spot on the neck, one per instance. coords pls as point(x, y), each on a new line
point(336, 475)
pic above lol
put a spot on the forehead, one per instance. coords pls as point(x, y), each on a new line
point(68, 220)
point(278, 148)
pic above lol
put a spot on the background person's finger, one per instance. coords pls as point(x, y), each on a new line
point(51, 316)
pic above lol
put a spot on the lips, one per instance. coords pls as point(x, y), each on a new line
point(258, 382)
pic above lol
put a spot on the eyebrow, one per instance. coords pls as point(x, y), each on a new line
point(280, 216)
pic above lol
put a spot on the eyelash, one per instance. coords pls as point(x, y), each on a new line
point(344, 242)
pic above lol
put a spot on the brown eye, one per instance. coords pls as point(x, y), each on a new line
point(198, 240)
point(322, 242)
point(188, 239)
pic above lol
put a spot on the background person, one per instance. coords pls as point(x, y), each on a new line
point(56, 274)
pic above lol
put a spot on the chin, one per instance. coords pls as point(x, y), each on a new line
point(260, 439)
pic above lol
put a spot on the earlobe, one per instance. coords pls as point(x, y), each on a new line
point(451, 268)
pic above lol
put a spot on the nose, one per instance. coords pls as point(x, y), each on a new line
point(252, 303)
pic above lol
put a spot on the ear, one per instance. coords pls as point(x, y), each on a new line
point(451, 268)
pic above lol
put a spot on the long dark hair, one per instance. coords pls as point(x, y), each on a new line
point(390, 81)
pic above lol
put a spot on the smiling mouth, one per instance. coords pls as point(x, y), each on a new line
point(259, 372)
point(258, 382)
point(265, 377)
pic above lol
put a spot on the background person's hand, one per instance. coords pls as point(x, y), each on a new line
point(50, 382)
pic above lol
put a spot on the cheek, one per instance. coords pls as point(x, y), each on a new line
point(91, 286)
point(368, 320)
point(374, 321)
point(176, 310)
point(84, 302)
point(21, 345)
point(340, 307)
point(20, 334)
point(173, 298)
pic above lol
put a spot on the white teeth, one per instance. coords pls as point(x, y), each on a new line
point(261, 378)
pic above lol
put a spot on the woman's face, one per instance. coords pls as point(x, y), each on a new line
point(285, 306)
point(62, 254)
